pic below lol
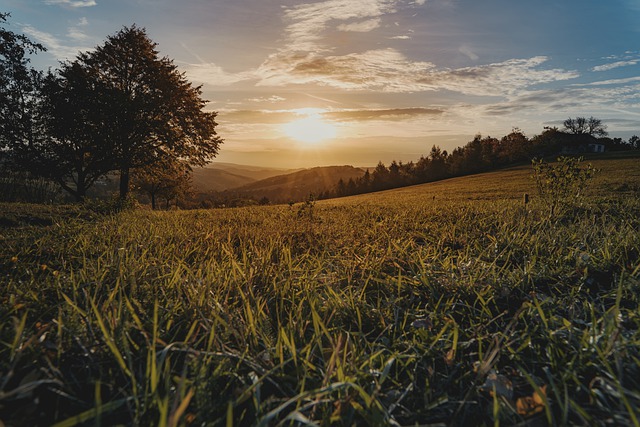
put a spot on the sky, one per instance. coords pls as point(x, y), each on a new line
point(336, 82)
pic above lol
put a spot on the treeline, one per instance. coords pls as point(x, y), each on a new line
point(483, 154)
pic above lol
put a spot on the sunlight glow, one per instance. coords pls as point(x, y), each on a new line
point(310, 130)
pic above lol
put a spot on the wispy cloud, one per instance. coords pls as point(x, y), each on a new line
point(613, 65)
point(361, 26)
point(307, 22)
point(611, 82)
point(272, 99)
point(76, 32)
point(54, 45)
point(394, 114)
point(307, 58)
point(257, 116)
point(389, 70)
point(214, 74)
point(498, 79)
point(72, 3)
point(382, 69)
point(622, 94)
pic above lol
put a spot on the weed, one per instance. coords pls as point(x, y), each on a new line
point(563, 185)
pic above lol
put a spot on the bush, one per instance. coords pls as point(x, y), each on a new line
point(563, 184)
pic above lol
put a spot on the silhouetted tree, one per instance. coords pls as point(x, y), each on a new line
point(364, 183)
point(380, 177)
point(513, 147)
point(341, 188)
point(137, 108)
point(74, 150)
point(18, 85)
point(582, 125)
point(437, 164)
point(634, 142)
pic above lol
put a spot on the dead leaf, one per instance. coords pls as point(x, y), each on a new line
point(498, 384)
point(533, 404)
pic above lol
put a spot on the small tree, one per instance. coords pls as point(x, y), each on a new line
point(167, 179)
point(582, 125)
point(562, 184)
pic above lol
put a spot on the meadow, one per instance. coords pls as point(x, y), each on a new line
point(451, 303)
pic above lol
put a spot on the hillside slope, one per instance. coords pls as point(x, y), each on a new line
point(209, 179)
point(298, 185)
point(225, 176)
point(618, 173)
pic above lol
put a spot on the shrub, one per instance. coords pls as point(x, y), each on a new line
point(562, 185)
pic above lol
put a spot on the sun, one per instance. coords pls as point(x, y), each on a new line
point(310, 130)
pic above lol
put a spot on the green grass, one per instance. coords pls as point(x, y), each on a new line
point(446, 303)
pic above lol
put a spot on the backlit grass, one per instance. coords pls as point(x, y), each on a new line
point(445, 303)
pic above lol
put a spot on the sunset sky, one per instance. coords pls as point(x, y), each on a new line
point(333, 82)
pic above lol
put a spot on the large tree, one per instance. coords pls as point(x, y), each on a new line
point(134, 109)
point(76, 150)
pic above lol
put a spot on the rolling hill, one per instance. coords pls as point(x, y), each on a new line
point(298, 185)
point(225, 176)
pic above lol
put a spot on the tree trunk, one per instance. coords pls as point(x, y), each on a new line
point(81, 187)
point(124, 183)
point(80, 195)
point(153, 201)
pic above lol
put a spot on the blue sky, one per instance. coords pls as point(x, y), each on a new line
point(389, 78)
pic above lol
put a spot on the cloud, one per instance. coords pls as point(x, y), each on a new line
point(613, 65)
point(361, 27)
point(306, 58)
point(272, 99)
point(54, 45)
point(498, 79)
point(285, 116)
point(576, 97)
point(394, 114)
point(611, 82)
point(76, 32)
point(72, 3)
point(389, 70)
point(466, 51)
point(213, 74)
point(307, 22)
point(257, 116)
point(382, 69)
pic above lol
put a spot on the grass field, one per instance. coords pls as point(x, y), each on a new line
point(449, 303)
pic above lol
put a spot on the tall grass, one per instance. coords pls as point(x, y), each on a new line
point(389, 309)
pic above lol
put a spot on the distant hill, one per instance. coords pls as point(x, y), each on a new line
point(225, 176)
point(298, 185)
point(255, 172)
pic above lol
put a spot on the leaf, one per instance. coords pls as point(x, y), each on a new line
point(533, 404)
point(498, 384)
